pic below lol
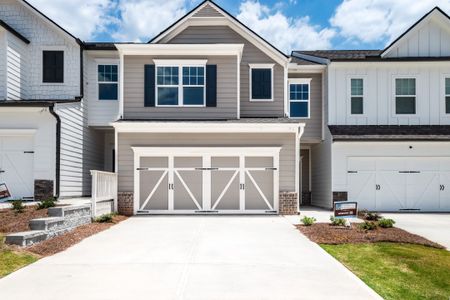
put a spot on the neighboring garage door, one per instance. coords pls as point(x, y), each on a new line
point(16, 165)
point(206, 180)
point(393, 183)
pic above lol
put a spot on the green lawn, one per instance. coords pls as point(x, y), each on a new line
point(398, 271)
point(11, 260)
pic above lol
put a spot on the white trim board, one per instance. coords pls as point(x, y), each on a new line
point(208, 127)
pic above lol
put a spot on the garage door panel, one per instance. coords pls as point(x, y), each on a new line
point(188, 187)
point(154, 162)
point(225, 190)
point(258, 190)
point(362, 189)
point(154, 194)
point(422, 191)
point(444, 189)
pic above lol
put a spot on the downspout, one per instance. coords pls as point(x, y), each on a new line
point(58, 149)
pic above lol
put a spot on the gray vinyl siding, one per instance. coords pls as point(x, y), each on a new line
point(2, 64)
point(313, 124)
point(207, 11)
point(321, 181)
point(251, 55)
point(226, 91)
point(128, 140)
point(81, 151)
point(305, 170)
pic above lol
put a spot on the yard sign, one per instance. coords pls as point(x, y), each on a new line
point(4, 192)
point(345, 209)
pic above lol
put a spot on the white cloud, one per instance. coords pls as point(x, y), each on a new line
point(141, 20)
point(84, 19)
point(283, 32)
point(380, 20)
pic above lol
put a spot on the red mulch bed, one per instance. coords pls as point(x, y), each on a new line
point(324, 233)
point(10, 221)
point(62, 242)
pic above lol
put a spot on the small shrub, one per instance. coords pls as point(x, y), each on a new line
point(368, 225)
point(337, 221)
point(386, 223)
point(106, 218)
point(308, 221)
point(17, 206)
point(369, 216)
point(47, 203)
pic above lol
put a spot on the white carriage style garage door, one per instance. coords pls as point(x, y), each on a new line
point(394, 183)
point(206, 180)
point(16, 165)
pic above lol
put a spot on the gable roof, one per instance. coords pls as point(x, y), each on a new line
point(51, 21)
point(14, 32)
point(435, 10)
point(260, 40)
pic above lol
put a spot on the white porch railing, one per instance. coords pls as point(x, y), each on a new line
point(104, 192)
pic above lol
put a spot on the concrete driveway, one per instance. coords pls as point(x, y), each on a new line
point(435, 227)
point(189, 258)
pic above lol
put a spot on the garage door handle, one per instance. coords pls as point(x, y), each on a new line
point(1, 171)
point(442, 187)
point(378, 187)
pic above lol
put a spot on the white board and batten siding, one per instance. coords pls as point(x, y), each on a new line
point(100, 112)
point(430, 38)
point(17, 62)
point(379, 92)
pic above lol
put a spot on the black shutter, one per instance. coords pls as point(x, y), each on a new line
point(149, 85)
point(211, 85)
point(53, 66)
point(261, 83)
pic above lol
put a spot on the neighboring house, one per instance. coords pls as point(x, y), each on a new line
point(208, 117)
point(46, 148)
point(387, 145)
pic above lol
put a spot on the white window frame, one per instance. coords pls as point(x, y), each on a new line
point(349, 89)
point(445, 95)
point(260, 66)
point(201, 63)
point(394, 92)
point(111, 62)
point(299, 81)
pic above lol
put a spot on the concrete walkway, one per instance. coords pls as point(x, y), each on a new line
point(200, 257)
point(435, 227)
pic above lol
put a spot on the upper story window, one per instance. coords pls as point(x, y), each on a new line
point(405, 96)
point(447, 95)
point(108, 82)
point(53, 66)
point(357, 96)
point(180, 85)
point(299, 98)
point(261, 82)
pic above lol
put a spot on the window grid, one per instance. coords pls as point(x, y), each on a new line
point(107, 81)
point(299, 93)
point(189, 91)
point(405, 96)
point(447, 95)
point(356, 96)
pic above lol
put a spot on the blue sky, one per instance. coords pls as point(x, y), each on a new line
point(288, 24)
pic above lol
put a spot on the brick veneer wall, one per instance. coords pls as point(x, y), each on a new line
point(288, 203)
point(125, 203)
point(43, 189)
point(340, 196)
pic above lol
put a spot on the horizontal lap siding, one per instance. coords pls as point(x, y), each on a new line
point(251, 55)
point(313, 125)
point(128, 140)
point(226, 91)
point(206, 12)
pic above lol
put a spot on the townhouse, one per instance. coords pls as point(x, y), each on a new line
point(208, 117)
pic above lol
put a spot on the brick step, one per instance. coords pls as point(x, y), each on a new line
point(26, 238)
point(50, 223)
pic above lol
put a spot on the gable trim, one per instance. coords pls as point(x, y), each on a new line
point(14, 32)
point(397, 40)
point(47, 19)
point(245, 31)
